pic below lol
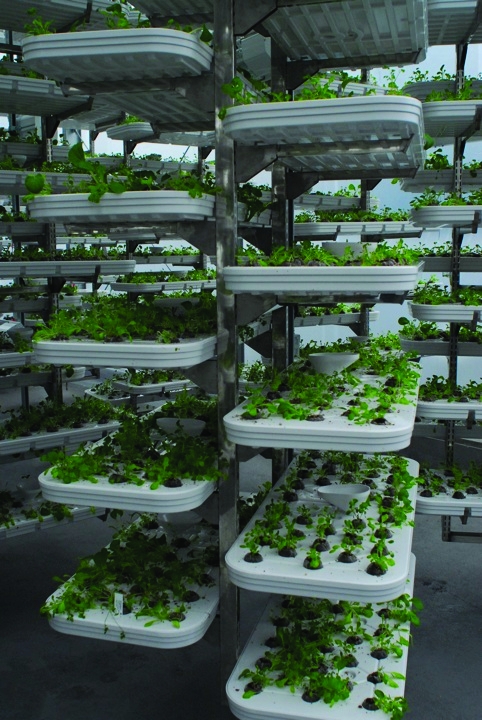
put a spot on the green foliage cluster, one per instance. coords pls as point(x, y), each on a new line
point(439, 388)
point(116, 319)
point(454, 479)
point(77, 252)
point(147, 565)
point(431, 331)
point(13, 509)
point(430, 292)
point(435, 197)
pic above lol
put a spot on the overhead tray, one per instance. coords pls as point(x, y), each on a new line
point(61, 438)
point(334, 580)
point(100, 55)
point(152, 388)
point(436, 263)
point(159, 259)
point(388, 228)
point(41, 377)
point(333, 432)
point(125, 496)
point(164, 286)
point(24, 150)
point(435, 216)
point(334, 319)
point(438, 179)
point(313, 201)
point(286, 703)
point(362, 33)
point(450, 22)
point(21, 95)
point(22, 229)
point(447, 119)
point(318, 280)
point(444, 410)
point(143, 132)
point(443, 503)
point(62, 13)
point(139, 354)
point(198, 10)
point(131, 206)
point(62, 268)
point(440, 347)
point(446, 312)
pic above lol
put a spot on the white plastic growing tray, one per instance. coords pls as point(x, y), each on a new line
point(15, 359)
point(446, 119)
point(440, 347)
point(309, 280)
point(364, 32)
point(152, 388)
point(63, 268)
point(313, 201)
point(444, 410)
point(445, 504)
point(139, 354)
point(168, 8)
point(13, 181)
point(23, 95)
point(23, 526)
point(275, 703)
point(335, 432)
point(314, 229)
point(340, 123)
point(442, 264)
point(420, 90)
point(445, 312)
point(103, 55)
point(335, 580)
point(22, 229)
point(62, 438)
point(61, 12)
point(334, 319)
point(106, 625)
point(143, 131)
point(127, 496)
point(160, 287)
point(435, 216)
point(131, 206)
point(20, 379)
point(439, 179)
point(449, 21)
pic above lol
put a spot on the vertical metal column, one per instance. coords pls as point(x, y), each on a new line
point(279, 322)
point(226, 234)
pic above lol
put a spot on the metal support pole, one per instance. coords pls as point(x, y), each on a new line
point(226, 236)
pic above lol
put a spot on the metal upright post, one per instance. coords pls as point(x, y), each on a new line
point(280, 324)
point(226, 234)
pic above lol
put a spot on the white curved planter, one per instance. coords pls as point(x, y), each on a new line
point(445, 313)
point(19, 379)
point(64, 268)
point(152, 388)
point(13, 181)
point(138, 54)
point(341, 120)
point(420, 90)
point(388, 228)
point(127, 497)
point(22, 95)
point(61, 12)
point(314, 201)
point(163, 286)
point(335, 580)
point(443, 410)
point(165, 7)
point(352, 33)
point(23, 526)
point(104, 625)
point(446, 119)
point(159, 259)
point(283, 704)
point(436, 216)
point(131, 206)
point(72, 437)
point(15, 359)
point(319, 280)
point(139, 354)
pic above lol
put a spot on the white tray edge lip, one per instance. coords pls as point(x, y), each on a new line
point(47, 440)
point(448, 410)
point(444, 215)
point(441, 312)
point(289, 706)
point(46, 268)
point(446, 505)
point(142, 498)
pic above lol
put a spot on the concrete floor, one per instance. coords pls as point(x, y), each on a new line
point(49, 676)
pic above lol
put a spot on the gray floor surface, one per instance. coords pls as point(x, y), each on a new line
point(50, 676)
